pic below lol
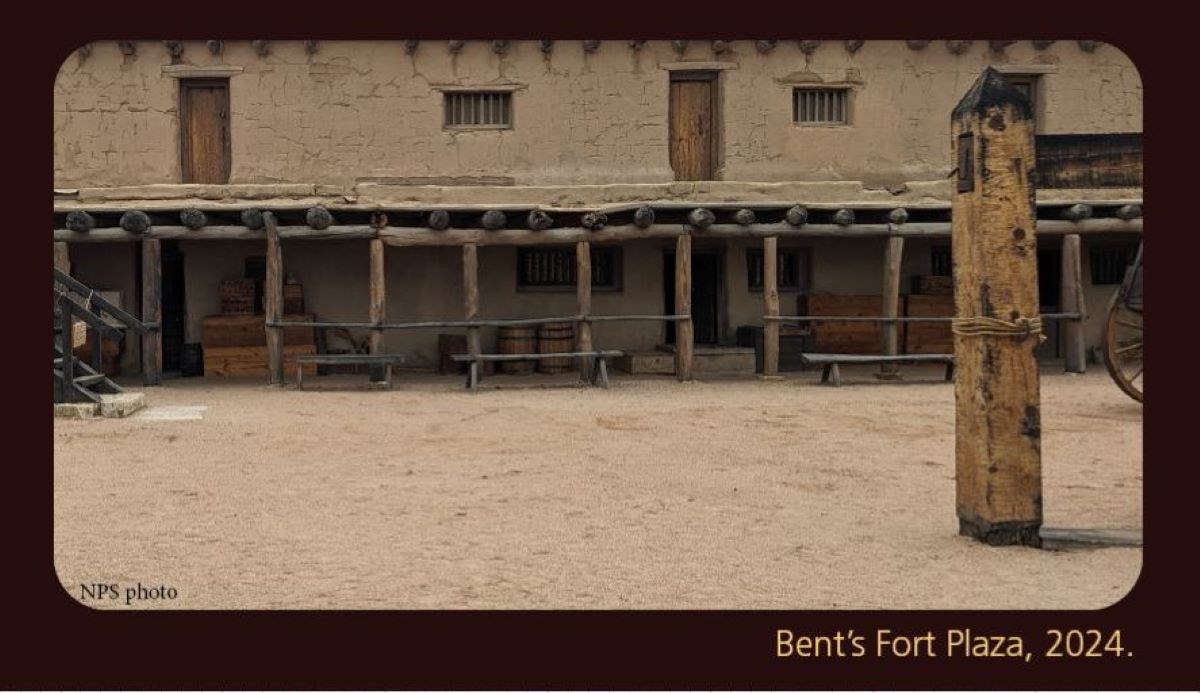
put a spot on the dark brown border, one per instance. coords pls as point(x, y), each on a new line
point(56, 643)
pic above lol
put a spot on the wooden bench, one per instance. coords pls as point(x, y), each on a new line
point(599, 374)
point(385, 360)
point(831, 362)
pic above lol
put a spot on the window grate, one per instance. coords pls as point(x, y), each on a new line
point(820, 106)
point(791, 272)
point(1109, 262)
point(555, 267)
point(479, 109)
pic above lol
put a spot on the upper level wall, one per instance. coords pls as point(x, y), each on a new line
point(356, 110)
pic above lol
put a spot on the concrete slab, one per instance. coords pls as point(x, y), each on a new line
point(172, 413)
point(76, 410)
point(121, 405)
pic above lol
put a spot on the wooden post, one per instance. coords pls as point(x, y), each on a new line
point(273, 301)
point(152, 311)
point(684, 332)
point(892, 257)
point(470, 269)
point(1074, 341)
point(997, 402)
point(66, 330)
point(770, 306)
point(62, 256)
point(377, 307)
point(583, 299)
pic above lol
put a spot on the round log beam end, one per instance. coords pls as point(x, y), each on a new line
point(999, 45)
point(539, 220)
point(410, 46)
point(843, 217)
point(193, 218)
point(917, 45)
point(135, 221)
point(636, 45)
point(796, 216)
point(958, 47)
point(594, 221)
point(80, 221)
point(546, 46)
point(253, 219)
point(128, 48)
point(643, 218)
point(439, 220)
point(701, 218)
point(174, 49)
point(1042, 45)
point(591, 46)
point(216, 47)
point(318, 218)
point(1089, 46)
point(852, 45)
point(898, 215)
point(744, 217)
point(311, 46)
point(1077, 212)
point(810, 46)
point(493, 220)
point(680, 46)
point(455, 46)
point(379, 220)
point(764, 46)
point(719, 47)
point(261, 47)
point(1129, 212)
point(499, 46)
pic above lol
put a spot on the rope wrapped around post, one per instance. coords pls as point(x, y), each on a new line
point(981, 326)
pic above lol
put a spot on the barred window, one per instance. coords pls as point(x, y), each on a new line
point(791, 274)
point(555, 268)
point(479, 109)
point(1109, 262)
point(820, 106)
point(940, 262)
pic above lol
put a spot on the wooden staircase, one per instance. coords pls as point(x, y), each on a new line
point(76, 380)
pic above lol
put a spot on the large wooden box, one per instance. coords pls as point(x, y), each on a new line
point(237, 296)
point(252, 360)
point(846, 337)
point(928, 337)
point(250, 330)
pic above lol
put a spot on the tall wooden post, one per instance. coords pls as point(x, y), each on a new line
point(583, 300)
point(376, 310)
point(470, 269)
point(684, 331)
point(62, 257)
point(770, 306)
point(1071, 293)
point(892, 257)
point(998, 420)
point(273, 301)
point(152, 311)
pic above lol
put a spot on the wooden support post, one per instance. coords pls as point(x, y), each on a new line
point(376, 310)
point(583, 296)
point(997, 402)
point(770, 306)
point(684, 332)
point(66, 329)
point(891, 305)
point(273, 301)
point(152, 311)
point(1074, 341)
point(62, 256)
point(470, 269)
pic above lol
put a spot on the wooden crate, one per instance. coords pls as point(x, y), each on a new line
point(250, 330)
point(252, 360)
point(846, 337)
point(929, 284)
point(928, 337)
point(237, 296)
point(293, 298)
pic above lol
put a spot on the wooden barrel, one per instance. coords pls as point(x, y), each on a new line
point(516, 340)
point(554, 338)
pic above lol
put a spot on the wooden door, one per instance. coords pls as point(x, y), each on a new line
point(204, 130)
point(692, 125)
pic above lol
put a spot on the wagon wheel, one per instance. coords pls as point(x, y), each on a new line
point(1123, 347)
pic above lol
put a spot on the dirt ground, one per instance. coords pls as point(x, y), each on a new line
point(722, 493)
